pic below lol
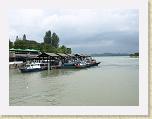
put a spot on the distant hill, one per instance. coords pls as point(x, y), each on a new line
point(110, 54)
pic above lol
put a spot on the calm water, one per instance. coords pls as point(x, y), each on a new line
point(113, 83)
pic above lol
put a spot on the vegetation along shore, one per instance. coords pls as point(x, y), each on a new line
point(50, 44)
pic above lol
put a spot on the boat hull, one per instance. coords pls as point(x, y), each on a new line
point(23, 70)
point(95, 64)
point(76, 66)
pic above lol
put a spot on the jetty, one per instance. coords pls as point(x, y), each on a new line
point(33, 60)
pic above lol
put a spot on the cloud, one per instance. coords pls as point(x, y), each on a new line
point(84, 30)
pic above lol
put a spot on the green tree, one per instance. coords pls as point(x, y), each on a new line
point(10, 44)
point(41, 47)
point(24, 44)
point(62, 49)
point(136, 54)
point(17, 38)
point(33, 45)
point(47, 37)
point(68, 51)
point(55, 40)
point(50, 44)
point(47, 48)
point(19, 44)
point(24, 37)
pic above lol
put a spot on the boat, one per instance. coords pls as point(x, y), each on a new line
point(34, 67)
point(78, 64)
point(81, 65)
point(67, 66)
point(94, 63)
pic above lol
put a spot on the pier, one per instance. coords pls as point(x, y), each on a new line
point(32, 59)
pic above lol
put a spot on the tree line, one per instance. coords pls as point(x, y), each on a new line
point(136, 54)
point(50, 44)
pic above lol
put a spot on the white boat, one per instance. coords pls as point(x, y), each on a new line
point(33, 67)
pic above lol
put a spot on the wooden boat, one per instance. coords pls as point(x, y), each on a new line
point(95, 64)
point(34, 67)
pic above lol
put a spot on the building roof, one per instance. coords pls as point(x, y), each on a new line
point(62, 54)
point(32, 50)
point(48, 55)
point(26, 55)
point(52, 54)
point(71, 55)
point(26, 50)
point(82, 55)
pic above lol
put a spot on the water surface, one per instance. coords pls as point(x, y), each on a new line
point(113, 83)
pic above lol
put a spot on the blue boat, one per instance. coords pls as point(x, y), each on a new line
point(78, 65)
point(66, 66)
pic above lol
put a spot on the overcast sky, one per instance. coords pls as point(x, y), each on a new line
point(84, 30)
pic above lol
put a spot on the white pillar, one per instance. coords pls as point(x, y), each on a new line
point(49, 65)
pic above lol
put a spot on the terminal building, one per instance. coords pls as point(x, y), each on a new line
point(22, 54)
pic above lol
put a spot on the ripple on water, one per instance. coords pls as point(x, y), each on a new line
point(113, 82)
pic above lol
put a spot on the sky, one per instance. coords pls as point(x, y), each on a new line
point(84, 30)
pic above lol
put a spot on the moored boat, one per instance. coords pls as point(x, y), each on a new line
point(34, 67)
point(94, 63)
point(79, 64)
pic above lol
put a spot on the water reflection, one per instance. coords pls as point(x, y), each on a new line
point(57, 72)
point(38, 88)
